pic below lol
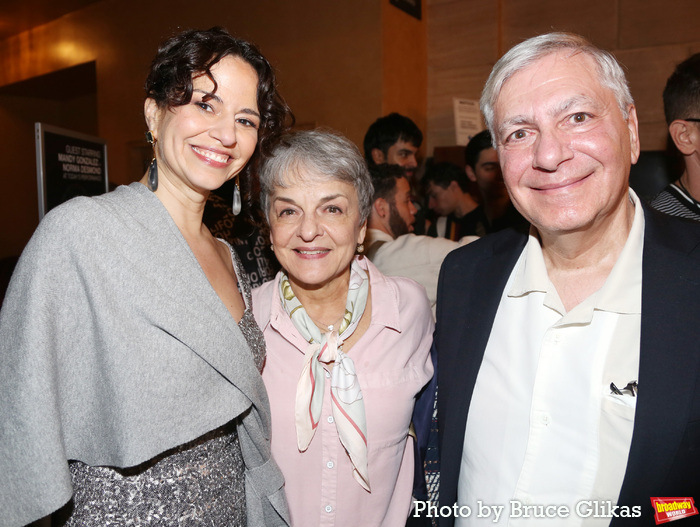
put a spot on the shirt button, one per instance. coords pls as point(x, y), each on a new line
point(330, 419)
point(330, 464)
point(328, 375)
point(546, 419)
point(329, 508)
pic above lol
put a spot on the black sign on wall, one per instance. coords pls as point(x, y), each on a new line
point(68, 164)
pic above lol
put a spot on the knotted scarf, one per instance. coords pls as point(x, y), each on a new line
point(325, 351)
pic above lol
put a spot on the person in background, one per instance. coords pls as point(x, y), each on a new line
point(393, 139)
point(682, 109)
point(562, 351)
point(348, 348)
point(396, 251)
point(390, 242)
point(130, 378)
point(482, 167)
point(458, 213)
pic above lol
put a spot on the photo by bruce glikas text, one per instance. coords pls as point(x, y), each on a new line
point(517, 509)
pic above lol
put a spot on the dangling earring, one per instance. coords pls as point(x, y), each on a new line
point(236, 206)
point(153, 167)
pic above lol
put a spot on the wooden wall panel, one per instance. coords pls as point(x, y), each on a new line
point(658, 22)
point(463, 34)
point(328, 56)
point(404, 66)
point(462, 48)
point(648, 37)
point(647, 71)
point(444, 86)
point(594, 19)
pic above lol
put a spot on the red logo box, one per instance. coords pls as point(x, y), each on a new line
point(671, 509)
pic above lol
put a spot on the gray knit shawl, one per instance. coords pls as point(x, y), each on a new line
point(114, 348)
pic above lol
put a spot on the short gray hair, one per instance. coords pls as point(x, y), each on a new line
point(324, 153)
point(519, 57)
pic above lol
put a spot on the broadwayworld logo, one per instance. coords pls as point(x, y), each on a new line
point(670, 509)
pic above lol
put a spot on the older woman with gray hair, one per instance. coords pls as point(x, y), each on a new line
point(348, 348)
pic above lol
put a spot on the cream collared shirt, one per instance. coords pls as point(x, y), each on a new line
point(414, 256)
point(543, 427)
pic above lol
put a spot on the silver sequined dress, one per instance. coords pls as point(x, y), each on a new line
point(199, 483)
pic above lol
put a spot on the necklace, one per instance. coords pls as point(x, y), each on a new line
point(329, 328)
point(326, 327)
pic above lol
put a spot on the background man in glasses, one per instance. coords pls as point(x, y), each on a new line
point(682, 109)
point(534, 332)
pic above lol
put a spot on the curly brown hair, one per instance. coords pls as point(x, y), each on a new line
point(194, 52)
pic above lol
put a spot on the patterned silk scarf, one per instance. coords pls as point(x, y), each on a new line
point(325, 350)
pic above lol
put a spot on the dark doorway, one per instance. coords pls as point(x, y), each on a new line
point(66, 98)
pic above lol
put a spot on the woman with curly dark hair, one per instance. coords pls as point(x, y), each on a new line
point(130, 383)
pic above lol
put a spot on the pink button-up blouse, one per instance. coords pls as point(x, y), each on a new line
point(393, 364)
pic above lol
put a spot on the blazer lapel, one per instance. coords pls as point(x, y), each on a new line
point(465, 318)
point(669, 359)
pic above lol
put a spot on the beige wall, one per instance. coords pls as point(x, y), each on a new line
point(340, 64)
point(404, 65)
point(328, 56)
point(466, 37)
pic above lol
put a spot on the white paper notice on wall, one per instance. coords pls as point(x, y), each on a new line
point(468, 120)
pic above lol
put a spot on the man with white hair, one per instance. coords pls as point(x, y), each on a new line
point(568, 358)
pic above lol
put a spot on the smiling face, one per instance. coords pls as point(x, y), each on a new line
point(401, 153)
point(315, 228)
point(564, 145)
point(208, 141)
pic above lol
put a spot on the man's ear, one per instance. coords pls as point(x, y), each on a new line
point(470, 173)
point(378, 156)
point(381, 207)
point(454, 187)
point(633, 126)
point(685, 135)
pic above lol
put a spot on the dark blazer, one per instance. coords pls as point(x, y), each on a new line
point(664, 458)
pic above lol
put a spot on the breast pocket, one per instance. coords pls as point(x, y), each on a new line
point(389, 399)
point(619, 406)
